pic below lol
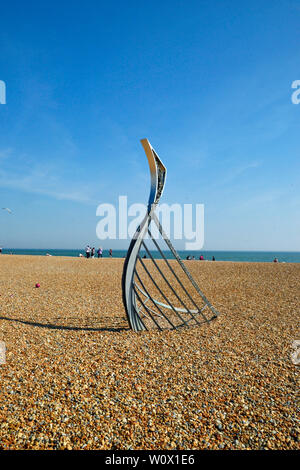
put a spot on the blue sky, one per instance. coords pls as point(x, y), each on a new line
point(207, 82)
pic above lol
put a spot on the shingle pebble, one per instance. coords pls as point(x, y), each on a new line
point(76, 376)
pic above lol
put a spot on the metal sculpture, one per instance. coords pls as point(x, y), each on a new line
point(140, 288)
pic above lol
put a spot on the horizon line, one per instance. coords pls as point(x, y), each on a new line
point(178, 249)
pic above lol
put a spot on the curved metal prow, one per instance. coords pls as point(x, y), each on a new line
point(158, 174)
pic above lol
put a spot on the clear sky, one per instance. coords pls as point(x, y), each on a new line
point(207, 82)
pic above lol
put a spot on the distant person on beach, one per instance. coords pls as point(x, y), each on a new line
point(99, 252)
point(275, 260)
point(93, 252)
point(201, 258)
point(110, 252)
point(213, 258)
point(88, 251)
point(0, 251)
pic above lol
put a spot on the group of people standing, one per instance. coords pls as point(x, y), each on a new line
point(90, 252)
point(201, 257)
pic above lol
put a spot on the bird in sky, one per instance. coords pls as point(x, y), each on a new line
point(7, 209)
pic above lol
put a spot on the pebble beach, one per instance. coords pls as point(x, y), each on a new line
point(77, 377)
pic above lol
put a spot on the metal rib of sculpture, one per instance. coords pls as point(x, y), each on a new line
point(148, 302)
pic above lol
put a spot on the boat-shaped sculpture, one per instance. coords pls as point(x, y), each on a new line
point(153, 288)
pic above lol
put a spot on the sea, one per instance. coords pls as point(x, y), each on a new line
point(240, 256)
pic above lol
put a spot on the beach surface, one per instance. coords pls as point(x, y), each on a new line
point(76, 376)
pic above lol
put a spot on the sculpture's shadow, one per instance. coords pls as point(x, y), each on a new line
point(52, 326)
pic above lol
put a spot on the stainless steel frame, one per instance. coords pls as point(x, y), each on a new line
point(136, 296)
